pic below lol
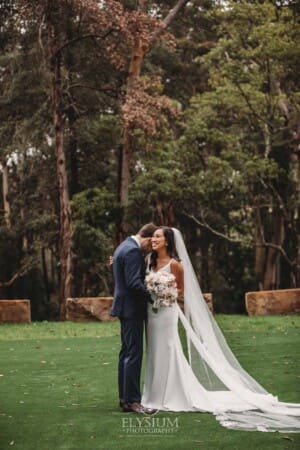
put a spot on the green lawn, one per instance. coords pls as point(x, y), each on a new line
point(58, 388)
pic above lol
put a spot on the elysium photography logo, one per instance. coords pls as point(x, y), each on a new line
point(149, 425)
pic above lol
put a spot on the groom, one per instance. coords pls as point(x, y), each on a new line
point(130, 305)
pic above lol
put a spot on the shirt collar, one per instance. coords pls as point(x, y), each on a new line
point(135, 238)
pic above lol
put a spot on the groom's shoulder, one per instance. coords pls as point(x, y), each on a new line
point(126, 246)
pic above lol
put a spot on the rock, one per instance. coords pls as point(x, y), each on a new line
point(89, 309)
point(15, 311)
point(209, 301)
point(93, 309)
point(263, 303)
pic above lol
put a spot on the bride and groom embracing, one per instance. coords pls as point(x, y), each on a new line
point(206, 377)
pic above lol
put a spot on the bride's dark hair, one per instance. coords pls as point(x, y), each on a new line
point(170, 245)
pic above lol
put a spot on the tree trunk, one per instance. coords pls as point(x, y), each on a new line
point(295, 212)
point(71, 111)
point(45, 275)
point(140, 47)
point(297, 269)
point(72, 151)
point(6, 204)
point(65, 210)
point(205, 265)
point(272, 263)
point(267, 258)
point(160, 220)
point(127, 151)
point(260, 251)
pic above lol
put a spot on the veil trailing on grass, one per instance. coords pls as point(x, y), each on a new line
point(247, 405)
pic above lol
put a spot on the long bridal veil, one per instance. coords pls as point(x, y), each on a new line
point(247, 405)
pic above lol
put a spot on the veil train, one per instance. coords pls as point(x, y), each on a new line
point(248, 405)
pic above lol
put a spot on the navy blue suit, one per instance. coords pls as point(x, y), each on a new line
point(130, 305)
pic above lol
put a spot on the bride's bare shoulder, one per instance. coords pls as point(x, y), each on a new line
point(177, 271)
point(176, 265)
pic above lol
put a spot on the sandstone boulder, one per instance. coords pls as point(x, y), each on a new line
point(263, 303)
point(209, 301)
point(15, 311)
point(89, 309)
point(92, 309)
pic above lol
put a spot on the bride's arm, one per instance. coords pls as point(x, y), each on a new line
point(177, 271)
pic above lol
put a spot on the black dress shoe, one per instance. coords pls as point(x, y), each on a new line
point(134, 407)
point(121, 403)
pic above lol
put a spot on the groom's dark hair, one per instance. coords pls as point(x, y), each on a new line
point(147, 230)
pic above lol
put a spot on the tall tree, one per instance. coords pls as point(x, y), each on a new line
point(249, 116)
point(63, 25)
point(138, 106)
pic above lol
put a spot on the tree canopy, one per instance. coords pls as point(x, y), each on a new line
point(116, 113)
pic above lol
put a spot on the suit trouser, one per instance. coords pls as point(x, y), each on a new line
point(130, 360)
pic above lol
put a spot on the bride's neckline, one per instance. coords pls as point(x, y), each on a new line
point(163, 267)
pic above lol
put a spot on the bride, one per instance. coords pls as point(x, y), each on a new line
point(210, 379)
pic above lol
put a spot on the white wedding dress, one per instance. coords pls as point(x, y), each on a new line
point(210, 379)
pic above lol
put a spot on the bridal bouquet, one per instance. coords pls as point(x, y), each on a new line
point(163, 289)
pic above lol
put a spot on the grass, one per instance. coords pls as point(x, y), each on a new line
point(58, 388)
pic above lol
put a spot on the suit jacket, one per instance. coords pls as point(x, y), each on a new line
point(130, 295)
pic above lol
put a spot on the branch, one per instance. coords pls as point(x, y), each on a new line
point(85, 86)
point(40, 38)
point(224, 236)
point(277, 195)
point(174, 11)
point(80, 38)
point(12, 280)
point(204, 224)
point(25, 265)
point(168, 19)
point(280, 249)
point(252, 109)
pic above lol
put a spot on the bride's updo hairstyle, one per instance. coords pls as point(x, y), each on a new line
point(170, 245)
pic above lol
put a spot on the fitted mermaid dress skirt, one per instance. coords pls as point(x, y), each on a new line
point(170, 383)
point(169, 380)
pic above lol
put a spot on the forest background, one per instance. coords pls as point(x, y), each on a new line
point(117, 113)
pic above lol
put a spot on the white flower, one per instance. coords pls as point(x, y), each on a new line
point(163, 289)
